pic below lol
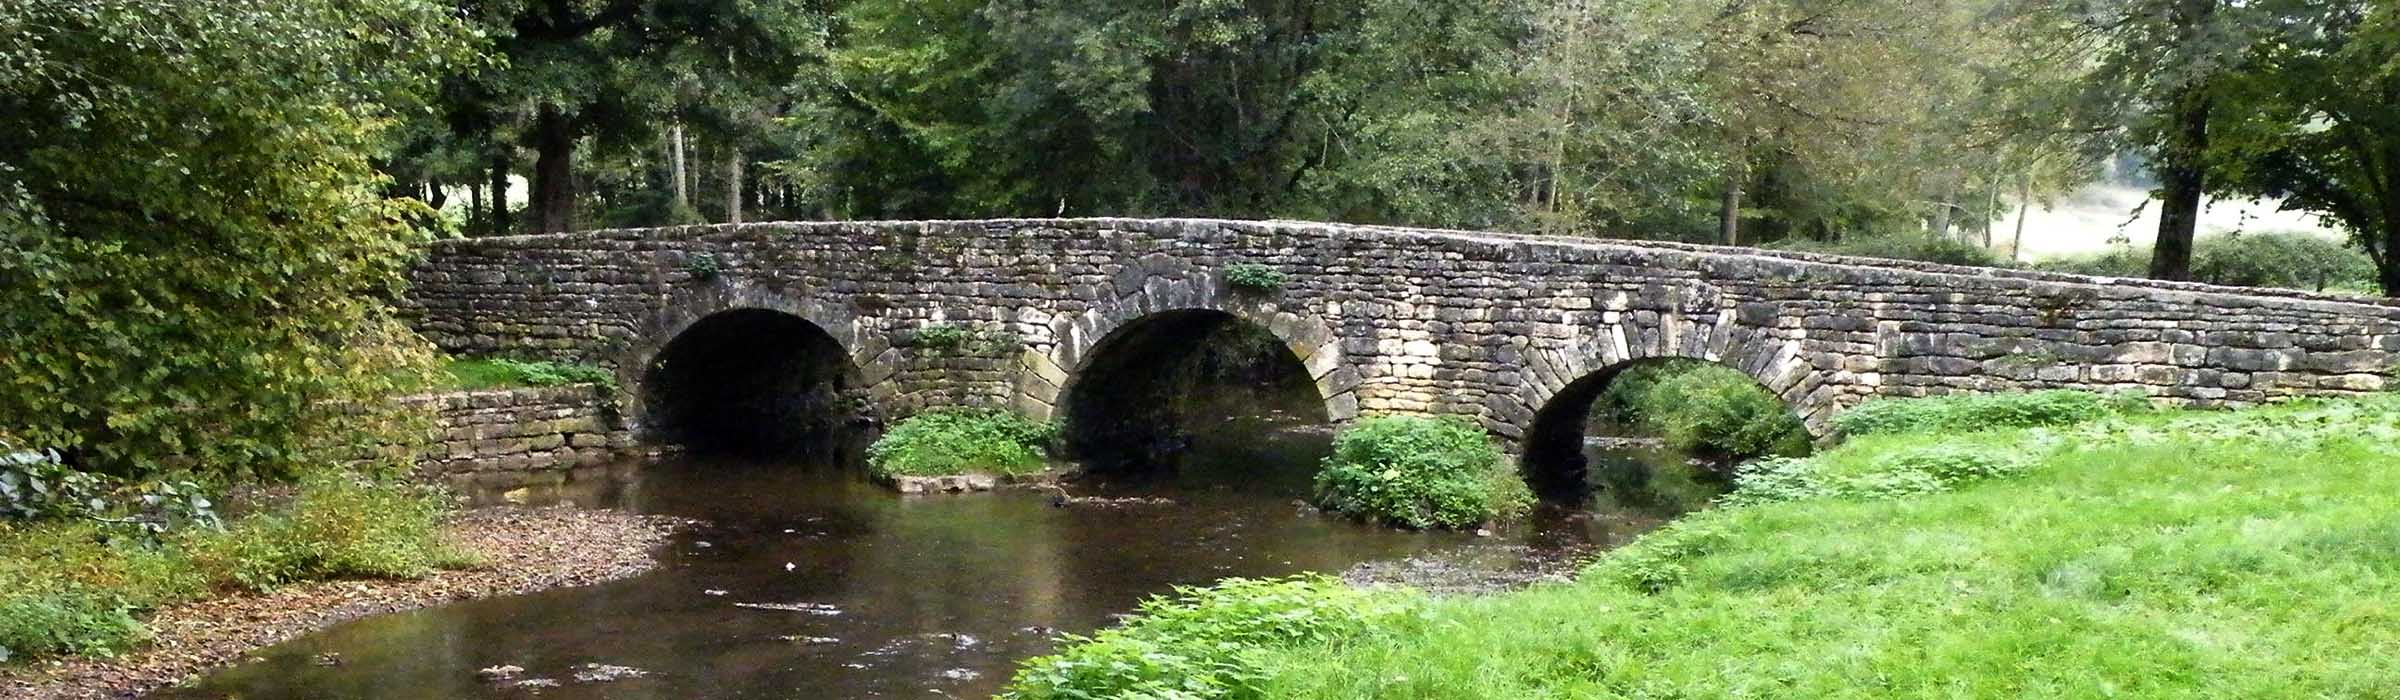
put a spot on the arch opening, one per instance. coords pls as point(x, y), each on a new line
point(750, 383)
point(1656, 434)
point(1179, 389)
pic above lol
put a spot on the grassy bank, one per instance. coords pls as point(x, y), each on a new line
point(2146, 555)
point(503, 373)
point(82, 586)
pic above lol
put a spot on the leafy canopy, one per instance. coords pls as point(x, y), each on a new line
point(195, 263)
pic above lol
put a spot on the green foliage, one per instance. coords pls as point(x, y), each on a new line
point(501, 372)
point(34, 485)
point(80, 586)
point(942, 337)
point(1956, 413)
point(2271, 259)
point(195, 257)
point(702, 266)
point(1704, 406)
point(1196, 644)
point(946, 442)
point(2152, 555)
point(1420, 473)
point(1901, 246)
point(1253, 277)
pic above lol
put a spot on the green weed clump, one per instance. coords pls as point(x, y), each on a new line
point(1966, 412)
point(81, 586)
point(1196, 644)
point(946, 442)
point(1420, 473)
point(1253, 277)
point(2145, 555)
point(1705, 407)
point(498, 373)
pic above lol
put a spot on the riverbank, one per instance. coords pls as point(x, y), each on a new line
point(2141, 555)
point(519, 550)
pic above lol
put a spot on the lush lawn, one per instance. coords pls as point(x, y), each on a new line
point(2253, 554)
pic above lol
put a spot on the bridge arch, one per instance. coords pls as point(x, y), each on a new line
point(1167, 307)
point(1564, 383)
point(742, 369)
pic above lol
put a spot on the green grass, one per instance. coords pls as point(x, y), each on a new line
point(962, 441)
point(82, 587)
point(502, 373)
point(2251, 554)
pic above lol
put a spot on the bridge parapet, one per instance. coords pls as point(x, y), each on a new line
point(1489, 326)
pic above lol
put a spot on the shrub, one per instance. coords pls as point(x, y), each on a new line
point(1419, 473)
point(1253, 277)
point(1195, 645)
point(1962, 412)
point(944, 442)
point(1701, 406)
point(196, 253)
point(500, 372)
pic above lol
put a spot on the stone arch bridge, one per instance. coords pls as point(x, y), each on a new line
point(1501, 329)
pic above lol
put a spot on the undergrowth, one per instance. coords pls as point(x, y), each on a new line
point(81, 586)
point(1699, 406)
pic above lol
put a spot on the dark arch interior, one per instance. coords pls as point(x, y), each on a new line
point(750, 382)
point(1557, 462)
point(1147, 388)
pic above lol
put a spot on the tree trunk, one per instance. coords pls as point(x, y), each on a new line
point(435, 195)
point(2183, 181)
point(733, 186)
point(2387, 265)
point(1729, 215)
point(474, 207)
point(499, 219)
point(2016, 248)
point(2180, 169)
point(553, 171)
point(683, 196)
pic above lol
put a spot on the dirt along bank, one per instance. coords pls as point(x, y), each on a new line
point(522, 550)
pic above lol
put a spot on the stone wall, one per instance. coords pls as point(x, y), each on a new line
point(504, 438)
point(1489, 326)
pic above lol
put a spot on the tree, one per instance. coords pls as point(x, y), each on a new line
point(2316, 121)
point(196, 254)
point(2161, 65)
point(615, 72)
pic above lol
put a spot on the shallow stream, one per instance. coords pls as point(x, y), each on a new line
point(805, 581)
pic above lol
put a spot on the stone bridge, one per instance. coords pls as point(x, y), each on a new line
point(1518, 333)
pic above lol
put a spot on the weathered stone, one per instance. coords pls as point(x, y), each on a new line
point(1384, 319)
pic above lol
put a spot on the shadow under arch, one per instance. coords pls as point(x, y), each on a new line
point(1130, 400)
point(749, 381)
point(1555, 463)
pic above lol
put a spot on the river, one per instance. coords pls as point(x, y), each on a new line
point(806, 581)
